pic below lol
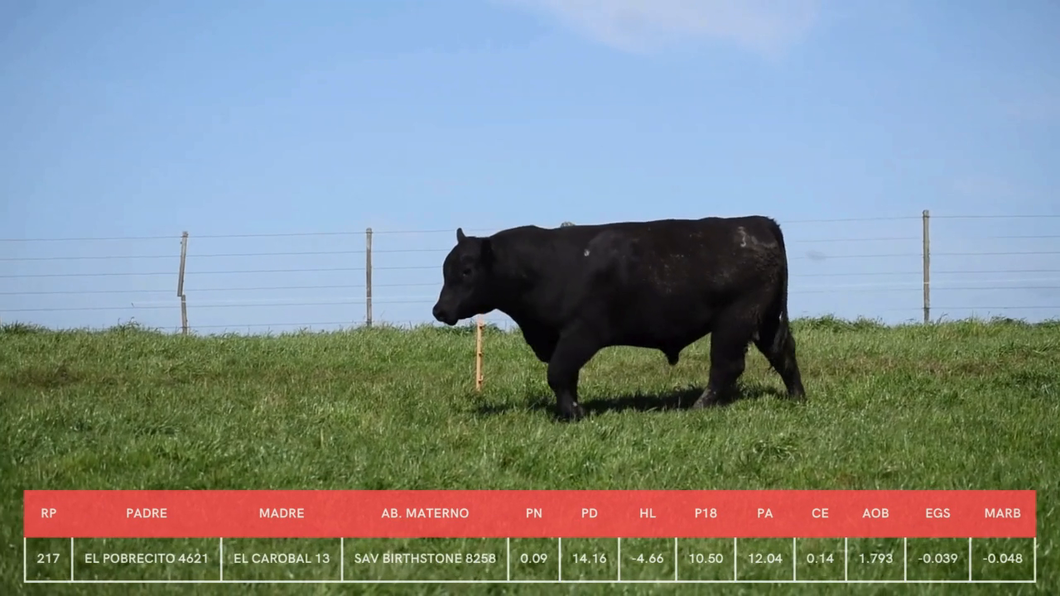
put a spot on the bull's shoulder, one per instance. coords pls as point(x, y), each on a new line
point(520, 234)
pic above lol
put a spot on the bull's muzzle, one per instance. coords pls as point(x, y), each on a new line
point(443, 316)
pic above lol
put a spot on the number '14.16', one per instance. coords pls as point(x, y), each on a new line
point(584, 558)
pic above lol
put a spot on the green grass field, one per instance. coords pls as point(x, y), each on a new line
point(964, 405)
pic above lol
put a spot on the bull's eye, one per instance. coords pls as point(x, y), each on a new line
point(467, 271)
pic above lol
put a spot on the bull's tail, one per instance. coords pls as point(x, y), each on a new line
point(782, 289)
point(775, 339)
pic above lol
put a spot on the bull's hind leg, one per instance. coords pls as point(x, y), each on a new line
point(572, 352)
point(728, 357)
point(778, 346)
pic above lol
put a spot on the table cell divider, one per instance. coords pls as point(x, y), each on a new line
point(559, 561)
point(221, 557)
point(734, 560)
point(619, 559)
point(794, 561)
point(969, 558)
point(905, 559)
point(675, 561)
point(342, 559)
point(508, 556)
point(846, 559)
point(71, 560)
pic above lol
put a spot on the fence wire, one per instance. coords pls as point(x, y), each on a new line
point(335, 276)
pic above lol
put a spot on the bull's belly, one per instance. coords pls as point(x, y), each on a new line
point(667, 325)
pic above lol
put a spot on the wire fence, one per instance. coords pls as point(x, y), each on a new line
point(921, 267)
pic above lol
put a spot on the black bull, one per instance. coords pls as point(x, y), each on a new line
point(659, 284)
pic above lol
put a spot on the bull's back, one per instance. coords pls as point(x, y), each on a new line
point(685, 258)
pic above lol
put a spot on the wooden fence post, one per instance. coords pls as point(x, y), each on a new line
point(927, 268)
point(368, 277)
point(180, 284)
point(478, 353)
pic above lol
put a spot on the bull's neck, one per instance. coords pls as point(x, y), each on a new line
point(516, 274)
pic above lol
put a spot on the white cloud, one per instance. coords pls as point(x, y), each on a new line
point(767, 27)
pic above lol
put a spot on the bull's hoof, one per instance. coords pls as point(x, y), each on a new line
point(707, 400)
point(574, 414)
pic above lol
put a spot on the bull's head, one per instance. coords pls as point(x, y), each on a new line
point(467, 272)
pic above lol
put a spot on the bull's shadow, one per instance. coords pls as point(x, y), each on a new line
point(671, 400)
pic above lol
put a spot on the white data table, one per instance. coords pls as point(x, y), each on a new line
point(531, 560)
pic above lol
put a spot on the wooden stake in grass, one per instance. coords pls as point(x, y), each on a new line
point(478, 353)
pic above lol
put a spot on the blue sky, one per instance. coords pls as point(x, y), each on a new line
point(243, 121)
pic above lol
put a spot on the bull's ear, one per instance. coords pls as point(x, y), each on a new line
point(460, 237)
point(487, 252)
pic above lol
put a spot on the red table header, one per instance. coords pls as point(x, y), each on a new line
point(529, 513)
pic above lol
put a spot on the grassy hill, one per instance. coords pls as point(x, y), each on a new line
point(962, 405)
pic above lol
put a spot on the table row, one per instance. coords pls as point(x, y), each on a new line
point(529, 513)
point(531, 559)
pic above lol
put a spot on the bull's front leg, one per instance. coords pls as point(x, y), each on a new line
point(542, 342)
point(571, 354)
